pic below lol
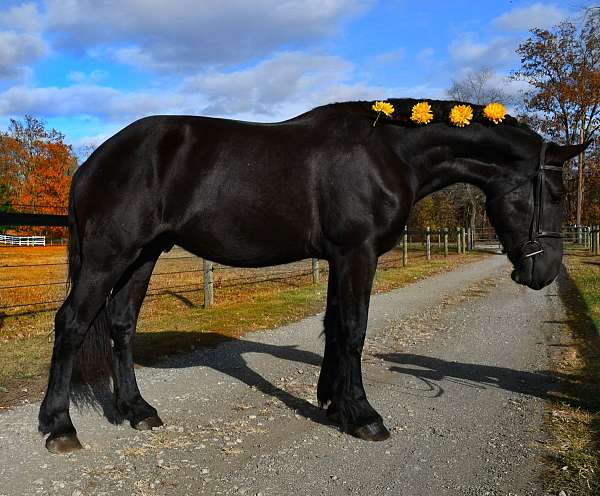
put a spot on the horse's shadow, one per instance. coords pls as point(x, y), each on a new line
point(432, 371)
point(228, 360)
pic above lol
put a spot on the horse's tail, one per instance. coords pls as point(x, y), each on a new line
point(93, 359)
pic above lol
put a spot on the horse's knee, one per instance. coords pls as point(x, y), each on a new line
point(68, 332)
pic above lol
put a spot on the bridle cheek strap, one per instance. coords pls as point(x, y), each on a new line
point(532, 246)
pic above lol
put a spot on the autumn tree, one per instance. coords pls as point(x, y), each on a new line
point(562, 68)
point(35, 165)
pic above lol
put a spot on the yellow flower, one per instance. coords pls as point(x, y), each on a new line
point(461, 115)
point(386, 107)
point(421, 113)
point(495, 112)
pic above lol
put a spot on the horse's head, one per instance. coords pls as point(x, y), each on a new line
point(527, 212)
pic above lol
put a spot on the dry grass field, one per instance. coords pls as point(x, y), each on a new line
point(245, 300)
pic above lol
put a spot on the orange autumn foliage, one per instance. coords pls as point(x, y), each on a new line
point(35, 167)
point(46, 188)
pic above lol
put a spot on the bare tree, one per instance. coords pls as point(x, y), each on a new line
point(476, 87)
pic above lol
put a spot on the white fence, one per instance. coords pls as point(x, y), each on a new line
point(22, 240)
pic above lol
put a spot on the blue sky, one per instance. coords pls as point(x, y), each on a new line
point(89, 67)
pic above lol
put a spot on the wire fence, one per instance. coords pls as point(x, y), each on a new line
point(34, 279)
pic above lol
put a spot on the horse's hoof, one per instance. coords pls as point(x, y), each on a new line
point(63, 444)
point(148, 423)
point(372, 432)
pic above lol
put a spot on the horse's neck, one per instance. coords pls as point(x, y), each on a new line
point(445, 173)
point(437, 165)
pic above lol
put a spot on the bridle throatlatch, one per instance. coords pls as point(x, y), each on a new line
point(532, 247)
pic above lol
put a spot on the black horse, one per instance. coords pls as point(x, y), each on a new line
point(327, 184)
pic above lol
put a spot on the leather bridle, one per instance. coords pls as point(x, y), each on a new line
point(532, 247)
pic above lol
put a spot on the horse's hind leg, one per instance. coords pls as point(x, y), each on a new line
point(91, 286)
point(330, 364)
point(123, 310)
point(353, 278)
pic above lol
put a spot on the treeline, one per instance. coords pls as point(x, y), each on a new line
point(561, 67)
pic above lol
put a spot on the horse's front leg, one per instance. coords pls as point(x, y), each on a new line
point(352, 279)
point(330, 365)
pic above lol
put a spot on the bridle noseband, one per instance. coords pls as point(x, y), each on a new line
point(532, 247)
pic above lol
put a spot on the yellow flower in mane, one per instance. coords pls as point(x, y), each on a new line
point(461, 115)
point(495, 112)
point(421, 113)
point(386, 107)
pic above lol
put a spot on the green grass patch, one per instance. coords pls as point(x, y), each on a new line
point(574, 417)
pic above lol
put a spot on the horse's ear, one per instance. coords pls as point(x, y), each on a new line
point(558, 155)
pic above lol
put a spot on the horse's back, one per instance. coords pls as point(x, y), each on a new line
point(224, 189)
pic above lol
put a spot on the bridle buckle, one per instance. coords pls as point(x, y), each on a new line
point(537, 249)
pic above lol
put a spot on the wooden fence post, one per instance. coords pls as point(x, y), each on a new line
point(445, 241)
point(463, 233)
point(458, 240)
point(209, 299)
point(597, 241)
point(428, 243)
point(405, 246)
point(584, 237)
point(315, 271)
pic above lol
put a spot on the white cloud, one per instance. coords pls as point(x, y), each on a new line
point(470, 54)
point(277, 88)
point(390, 57)
point(17, 50)
point(24, 17)
point(537, 15)
point(21, 43)
point(79, 77)
point(104, 102)
point(425, 55)
point(288, 80)
point(183, 35)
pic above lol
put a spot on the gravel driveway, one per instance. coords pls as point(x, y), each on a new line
point(453, 363)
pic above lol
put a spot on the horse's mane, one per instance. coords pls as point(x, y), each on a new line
point(403, 109)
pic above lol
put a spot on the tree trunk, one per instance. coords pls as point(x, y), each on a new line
point(580, 183)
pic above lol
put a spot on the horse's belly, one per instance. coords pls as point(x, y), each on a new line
point(245, 241)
